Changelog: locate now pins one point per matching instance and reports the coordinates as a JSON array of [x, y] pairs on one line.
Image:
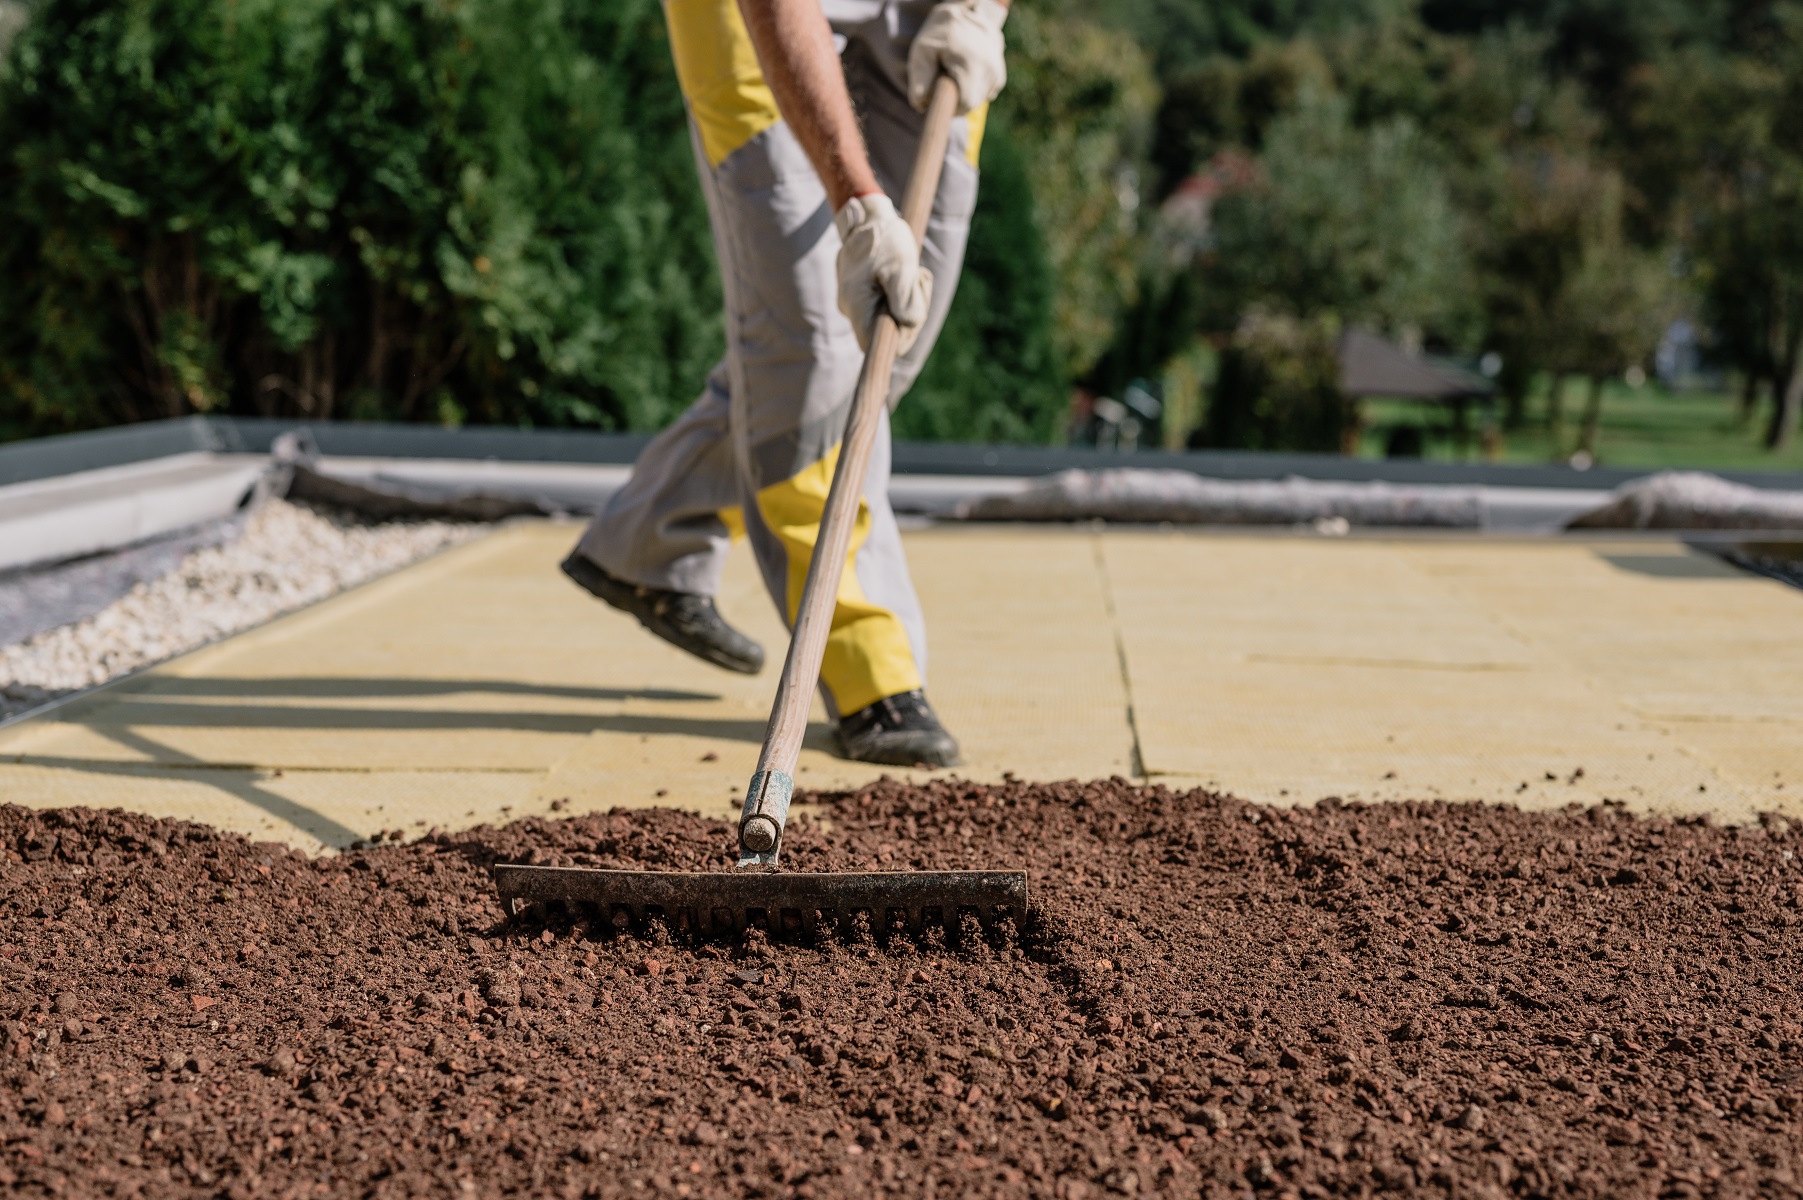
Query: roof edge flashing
[[65, 454]]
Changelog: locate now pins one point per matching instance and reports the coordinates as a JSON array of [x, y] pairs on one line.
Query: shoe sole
[[931, 763], [738, 666], [601, 587], [622, 596]]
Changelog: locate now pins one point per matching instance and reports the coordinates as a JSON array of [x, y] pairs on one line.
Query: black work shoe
[[898, 731], [685, 620]]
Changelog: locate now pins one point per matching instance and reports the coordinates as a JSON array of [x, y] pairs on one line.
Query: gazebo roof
[[1374, 366]]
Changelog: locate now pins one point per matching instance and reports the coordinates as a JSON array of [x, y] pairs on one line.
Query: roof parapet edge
[[65, 454]]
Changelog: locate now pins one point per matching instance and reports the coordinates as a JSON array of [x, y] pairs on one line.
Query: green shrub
[[994, 375], [1079, 103], [418, 210], [1353, 222], [1278, 389], [409, 209]]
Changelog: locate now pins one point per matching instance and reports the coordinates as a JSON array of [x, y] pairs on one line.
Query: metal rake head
[[722, 902]]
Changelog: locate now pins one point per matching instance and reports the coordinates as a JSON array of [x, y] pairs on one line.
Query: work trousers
[[757, 449]]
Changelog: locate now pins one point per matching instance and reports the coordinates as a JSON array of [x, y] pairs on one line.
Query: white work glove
[[879, 261], [963, 39]]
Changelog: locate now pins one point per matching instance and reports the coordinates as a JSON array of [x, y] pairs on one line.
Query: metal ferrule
[[761, 824]]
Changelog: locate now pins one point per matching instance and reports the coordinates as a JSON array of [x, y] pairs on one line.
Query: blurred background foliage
[[485, 211], [333, 209]]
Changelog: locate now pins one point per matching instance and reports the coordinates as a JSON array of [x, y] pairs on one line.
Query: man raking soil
[[806, 117], [884, 294]]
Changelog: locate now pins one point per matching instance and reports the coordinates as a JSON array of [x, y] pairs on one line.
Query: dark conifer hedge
[[452, 211], [409, 209]]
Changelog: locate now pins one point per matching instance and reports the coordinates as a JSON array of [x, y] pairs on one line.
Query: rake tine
[[873, 905]]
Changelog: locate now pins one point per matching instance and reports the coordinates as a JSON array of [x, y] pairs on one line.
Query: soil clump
[[1209, 997]]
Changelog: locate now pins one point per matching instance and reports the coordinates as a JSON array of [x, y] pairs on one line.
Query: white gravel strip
[[287, 557]]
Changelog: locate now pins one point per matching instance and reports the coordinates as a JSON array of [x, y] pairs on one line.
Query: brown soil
[[1211, 998]]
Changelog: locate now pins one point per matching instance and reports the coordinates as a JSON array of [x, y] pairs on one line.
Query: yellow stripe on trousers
[[867, 652], [978, 120], [729, 99], [734, 520], [718, 70]]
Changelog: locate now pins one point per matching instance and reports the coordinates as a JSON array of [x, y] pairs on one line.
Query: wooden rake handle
[[767, 799]]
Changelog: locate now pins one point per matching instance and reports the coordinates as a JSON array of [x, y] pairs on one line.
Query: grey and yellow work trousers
[[757, 449]]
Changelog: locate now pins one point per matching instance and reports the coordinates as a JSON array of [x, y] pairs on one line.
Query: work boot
[[684, 619], [898, 731]]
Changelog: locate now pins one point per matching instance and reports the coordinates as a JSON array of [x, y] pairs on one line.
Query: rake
[[759, 892]]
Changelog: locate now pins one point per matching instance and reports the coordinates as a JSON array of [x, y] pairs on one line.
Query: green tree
[[994, 376], [1610, 313], [1180, 33], [1278, 388], [1528, 260], [1602, 42], [1572, 295], [1352, 222], [1736, 128], [1223, 104], [1079, 103]]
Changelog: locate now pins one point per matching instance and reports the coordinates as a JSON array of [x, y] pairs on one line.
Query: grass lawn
[[1641, 427]]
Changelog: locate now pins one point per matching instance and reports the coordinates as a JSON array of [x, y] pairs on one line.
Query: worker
[[804, 116]]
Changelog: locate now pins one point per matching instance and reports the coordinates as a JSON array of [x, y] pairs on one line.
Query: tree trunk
[[1555, 412], [1750, 383], [1787, 399], [1593, 416], [1352, 425]]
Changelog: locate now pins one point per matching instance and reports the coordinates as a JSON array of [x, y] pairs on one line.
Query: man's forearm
[[794, 45]]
